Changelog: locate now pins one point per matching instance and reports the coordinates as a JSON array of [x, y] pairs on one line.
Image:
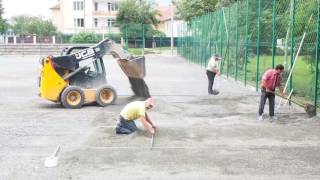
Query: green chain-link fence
[[140, 39], [255, 35]]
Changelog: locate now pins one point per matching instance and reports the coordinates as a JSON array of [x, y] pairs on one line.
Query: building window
[[78, 5], [112, 6], [110, 22], [96, 6], [95, 22], [78, 22], [109, 6]]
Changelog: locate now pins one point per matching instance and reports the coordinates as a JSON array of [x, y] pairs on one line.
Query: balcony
[[105, 8], [105, 13]]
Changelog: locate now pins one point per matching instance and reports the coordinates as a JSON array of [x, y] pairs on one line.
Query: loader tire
[[72, 97], [106, 95]]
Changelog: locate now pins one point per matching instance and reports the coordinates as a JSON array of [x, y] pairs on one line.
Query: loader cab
[[92, 71]]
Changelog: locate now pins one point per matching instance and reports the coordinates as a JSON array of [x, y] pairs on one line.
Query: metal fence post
[[273, 31], [143, 40], [221, 39], [237, 44], [211, 24], [215, 34], [198, 40], [258, 46], [192, 40], [207, 38], [246, 53], [315, 101], [203, 42], [126, 37], [228, 29], [292, 41]]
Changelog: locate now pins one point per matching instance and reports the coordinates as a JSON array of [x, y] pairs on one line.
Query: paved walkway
[[198, 136]]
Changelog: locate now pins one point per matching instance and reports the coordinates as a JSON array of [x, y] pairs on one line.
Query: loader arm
[[133, 67]]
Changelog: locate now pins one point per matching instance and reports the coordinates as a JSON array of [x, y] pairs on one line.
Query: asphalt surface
[[198, 136]]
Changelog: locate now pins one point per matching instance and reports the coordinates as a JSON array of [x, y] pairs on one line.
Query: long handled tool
[[292, 68], [296, 58], [287, 100], [52, 160], [152, 141]]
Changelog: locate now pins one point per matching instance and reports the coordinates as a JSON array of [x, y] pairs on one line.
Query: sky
[[38, 7]]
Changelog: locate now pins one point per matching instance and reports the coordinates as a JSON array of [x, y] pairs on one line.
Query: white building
[[168, 22], [72, 16]]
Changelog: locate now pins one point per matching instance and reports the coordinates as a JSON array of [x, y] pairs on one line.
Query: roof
[[165, 12], [56, 6]]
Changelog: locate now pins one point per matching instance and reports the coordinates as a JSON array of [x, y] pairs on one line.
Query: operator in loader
[[136, 110]]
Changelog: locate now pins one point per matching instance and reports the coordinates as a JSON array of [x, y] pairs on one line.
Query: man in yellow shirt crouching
[[133, 111]]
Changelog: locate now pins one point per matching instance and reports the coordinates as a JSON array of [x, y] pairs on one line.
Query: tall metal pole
[[126, 36], [216, 33], [143, 40], [246, 53], [221, 34], [210, 34], [228, 43], [315, 100], [292, 39], [193, 34], [273, 31], [171, 8], [258, 47], [237, 44]]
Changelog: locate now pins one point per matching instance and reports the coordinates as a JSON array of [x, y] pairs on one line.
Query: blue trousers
[[263, 98], [125, 126], [211, 76]]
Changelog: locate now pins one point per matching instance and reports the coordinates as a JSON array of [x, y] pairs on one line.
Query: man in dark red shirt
[[270, 80]]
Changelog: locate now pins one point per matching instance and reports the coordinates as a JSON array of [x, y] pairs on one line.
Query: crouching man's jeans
[[125, 126]]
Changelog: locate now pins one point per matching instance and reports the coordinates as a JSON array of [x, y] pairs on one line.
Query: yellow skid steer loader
[[78, 76]]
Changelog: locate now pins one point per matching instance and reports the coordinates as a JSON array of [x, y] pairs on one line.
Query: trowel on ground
[[52, 160]]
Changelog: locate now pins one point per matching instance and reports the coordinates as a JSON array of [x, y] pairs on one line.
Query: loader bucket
[[135, 69]]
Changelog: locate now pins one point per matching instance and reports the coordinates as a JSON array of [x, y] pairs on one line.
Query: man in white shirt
[[212, 71]]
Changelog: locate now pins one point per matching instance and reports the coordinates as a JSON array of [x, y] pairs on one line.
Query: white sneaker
[[260, 118]]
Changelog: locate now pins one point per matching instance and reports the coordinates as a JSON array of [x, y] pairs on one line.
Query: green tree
[[192, 8], [42, 27], [1, 11], [132, 14], [3, 23], [4, 26], [33, 25], [85, 37]]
